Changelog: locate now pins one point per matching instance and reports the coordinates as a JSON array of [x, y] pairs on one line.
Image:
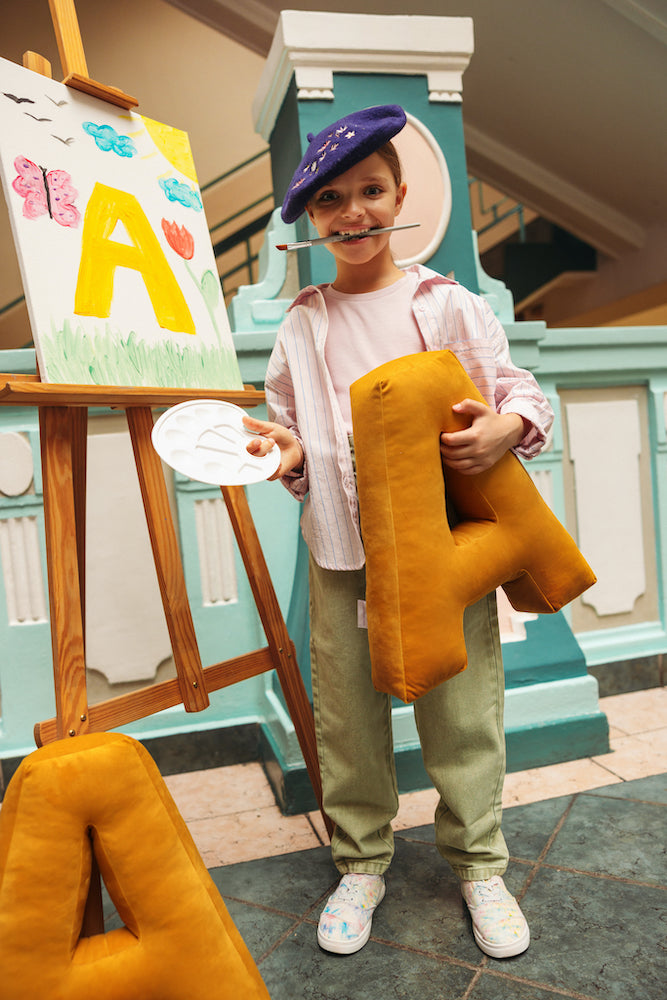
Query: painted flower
[[179, 239]]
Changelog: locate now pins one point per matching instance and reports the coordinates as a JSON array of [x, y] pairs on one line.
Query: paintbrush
[[343, 237]]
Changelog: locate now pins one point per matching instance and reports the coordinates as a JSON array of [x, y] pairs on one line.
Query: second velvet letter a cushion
[[103, 793], [420, 573]]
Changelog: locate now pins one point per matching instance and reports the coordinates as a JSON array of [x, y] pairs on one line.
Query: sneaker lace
[[490, 890], [355, 893]]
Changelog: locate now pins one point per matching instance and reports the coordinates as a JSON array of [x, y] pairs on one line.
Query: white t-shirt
[[367, 329]]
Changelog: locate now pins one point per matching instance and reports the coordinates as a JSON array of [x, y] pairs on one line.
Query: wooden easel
[[63, 430]]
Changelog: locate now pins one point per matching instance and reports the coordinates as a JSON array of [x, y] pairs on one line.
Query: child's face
[[364, 197]]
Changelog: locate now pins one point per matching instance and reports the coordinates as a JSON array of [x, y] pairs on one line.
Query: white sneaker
[[498, 925], [345, 922]]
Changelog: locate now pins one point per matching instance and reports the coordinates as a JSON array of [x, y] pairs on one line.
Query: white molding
[[21, 568], [605, 447], [552, 196], [215, 544], [314, 83], [313, 45], [126, 632], [16, 469]]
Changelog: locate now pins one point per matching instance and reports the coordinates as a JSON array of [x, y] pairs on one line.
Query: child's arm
[[479, 446], [291, 454], [518, 416]]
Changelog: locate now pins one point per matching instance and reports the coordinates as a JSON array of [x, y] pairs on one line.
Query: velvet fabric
[[178, 942], [420, 572]]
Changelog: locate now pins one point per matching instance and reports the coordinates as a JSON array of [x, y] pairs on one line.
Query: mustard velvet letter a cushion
[[178, 941], [420, 573]]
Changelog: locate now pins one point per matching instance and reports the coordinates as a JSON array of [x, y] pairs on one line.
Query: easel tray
[[27, 390]]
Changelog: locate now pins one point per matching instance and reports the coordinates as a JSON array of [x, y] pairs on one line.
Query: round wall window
[[429, 197]]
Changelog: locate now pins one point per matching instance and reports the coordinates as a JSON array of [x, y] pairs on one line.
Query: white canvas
[[115, 254]]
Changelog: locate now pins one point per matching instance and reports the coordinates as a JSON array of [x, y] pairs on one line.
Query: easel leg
[[280, 644], [63, 446], [79, 420], [63, 435], [167, 561]]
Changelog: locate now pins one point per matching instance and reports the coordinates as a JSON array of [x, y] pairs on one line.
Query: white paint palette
[[206, 440]]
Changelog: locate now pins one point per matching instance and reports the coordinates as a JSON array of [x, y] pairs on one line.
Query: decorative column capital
[[312, 46]]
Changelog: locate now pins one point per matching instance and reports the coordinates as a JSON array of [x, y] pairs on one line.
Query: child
[[349, 181]]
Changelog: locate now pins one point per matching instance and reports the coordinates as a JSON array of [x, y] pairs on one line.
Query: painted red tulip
[[179, 239]]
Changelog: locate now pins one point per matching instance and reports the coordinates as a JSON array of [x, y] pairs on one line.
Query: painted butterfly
[[45, 192]]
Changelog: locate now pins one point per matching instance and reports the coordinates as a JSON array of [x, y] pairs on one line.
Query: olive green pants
[[460, 725]]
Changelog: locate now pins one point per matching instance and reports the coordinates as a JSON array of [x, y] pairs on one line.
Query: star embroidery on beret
[[350, 135], [339, 131]]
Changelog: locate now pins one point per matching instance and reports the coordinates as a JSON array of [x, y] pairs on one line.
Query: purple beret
[[337, 148]]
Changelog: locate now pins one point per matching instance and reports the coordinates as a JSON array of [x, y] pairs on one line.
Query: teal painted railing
[[497, 211]]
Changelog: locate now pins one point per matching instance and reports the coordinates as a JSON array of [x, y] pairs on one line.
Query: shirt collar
[[425, 275]]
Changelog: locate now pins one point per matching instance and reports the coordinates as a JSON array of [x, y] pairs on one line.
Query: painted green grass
[[108, 358]]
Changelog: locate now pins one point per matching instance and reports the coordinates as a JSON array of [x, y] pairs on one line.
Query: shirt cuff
[[531, 444]]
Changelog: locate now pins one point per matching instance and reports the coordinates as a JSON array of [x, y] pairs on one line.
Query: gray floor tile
[[494, 987], [300, 970], [613, 837], [291, 883], [259, 929], [423, 908], [653, 789], [112, 920], [598, 937], [527, 828]]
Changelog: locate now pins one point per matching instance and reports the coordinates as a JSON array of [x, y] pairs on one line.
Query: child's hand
[[291, 455], [478, 447]]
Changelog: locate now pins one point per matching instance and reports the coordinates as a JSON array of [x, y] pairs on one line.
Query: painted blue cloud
[[108, 140], [175, 190]]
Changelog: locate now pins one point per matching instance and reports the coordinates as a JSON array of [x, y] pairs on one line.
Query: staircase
[[237, 237], [533, 257]]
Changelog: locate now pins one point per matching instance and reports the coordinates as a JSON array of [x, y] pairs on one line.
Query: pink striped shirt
[[300, 395]]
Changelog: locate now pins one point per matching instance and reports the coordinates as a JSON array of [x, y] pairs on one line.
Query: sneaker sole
[[354, 944], [503, 950], [345, 947]]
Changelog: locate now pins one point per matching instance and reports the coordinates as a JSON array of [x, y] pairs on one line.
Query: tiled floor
[[589, 870], [587, 841]]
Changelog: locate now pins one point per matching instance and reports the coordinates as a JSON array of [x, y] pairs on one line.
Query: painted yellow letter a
[[100, 256]]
